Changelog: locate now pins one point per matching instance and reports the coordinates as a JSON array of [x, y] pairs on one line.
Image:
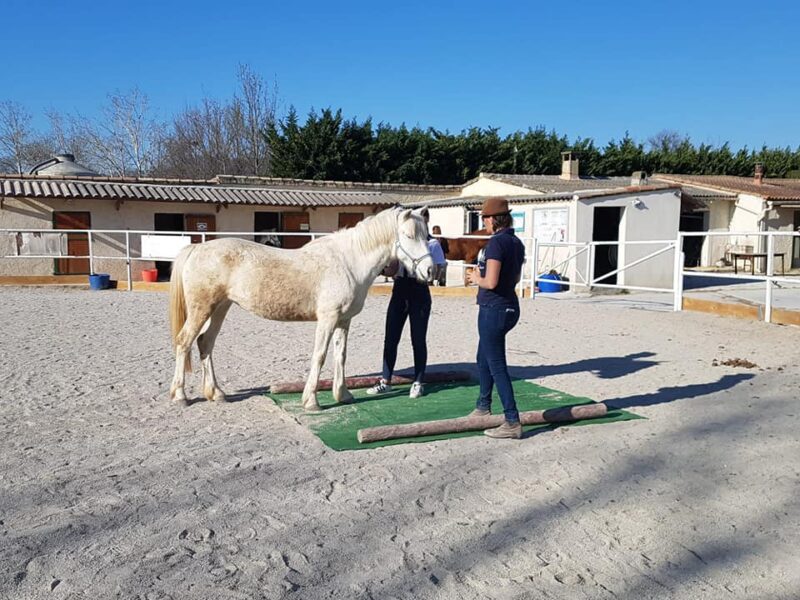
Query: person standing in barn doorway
[[411, 300]]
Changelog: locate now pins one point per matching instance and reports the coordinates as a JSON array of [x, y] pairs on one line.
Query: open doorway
[[606, 229], [796, 241], [166, 222], [693, 245], [267, 224]]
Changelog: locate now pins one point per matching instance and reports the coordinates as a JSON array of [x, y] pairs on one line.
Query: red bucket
[[150, 275]]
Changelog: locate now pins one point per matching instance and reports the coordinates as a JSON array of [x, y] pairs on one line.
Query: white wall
[[657, 218], [719, 218], [490, 187], [781, 218], [450, 219]]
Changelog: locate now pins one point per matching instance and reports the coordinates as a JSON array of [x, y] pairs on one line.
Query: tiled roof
[[770, 189], [791, 183], [283, 182], [476, 201], [551, 184], [103, 188]]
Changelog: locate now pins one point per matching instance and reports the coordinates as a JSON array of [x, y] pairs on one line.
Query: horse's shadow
[[605, 367], [244, 394]]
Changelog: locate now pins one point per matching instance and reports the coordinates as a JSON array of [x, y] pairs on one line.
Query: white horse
[[325, 281]]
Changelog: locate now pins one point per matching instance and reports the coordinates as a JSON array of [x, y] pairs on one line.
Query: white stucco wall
[[719, 216], [781, 218], [450, 219], [657, 218], [490, 187]]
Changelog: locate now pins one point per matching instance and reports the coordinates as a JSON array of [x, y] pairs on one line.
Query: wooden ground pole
[[563, 414], [362, 382]]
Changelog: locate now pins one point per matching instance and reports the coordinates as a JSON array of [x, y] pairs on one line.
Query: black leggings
[[410, 300]]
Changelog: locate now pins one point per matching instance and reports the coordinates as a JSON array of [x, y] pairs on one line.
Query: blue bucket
[[99, 281], [545, 287]]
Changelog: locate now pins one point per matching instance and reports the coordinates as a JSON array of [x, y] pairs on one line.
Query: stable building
[[744, 204], [62, 194], [570, 209]]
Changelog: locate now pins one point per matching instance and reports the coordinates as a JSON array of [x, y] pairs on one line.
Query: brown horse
[[466, 248]]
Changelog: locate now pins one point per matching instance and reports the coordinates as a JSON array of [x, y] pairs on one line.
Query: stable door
[[77, 243], [296, 222], [201, 223]]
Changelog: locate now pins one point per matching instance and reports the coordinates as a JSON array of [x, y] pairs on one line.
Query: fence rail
[[579, 260]]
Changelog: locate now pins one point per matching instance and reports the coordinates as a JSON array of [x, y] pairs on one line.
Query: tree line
[[244, 136]]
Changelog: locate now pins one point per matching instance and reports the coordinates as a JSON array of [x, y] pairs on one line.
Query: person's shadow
[[604, 367], [679, 392]]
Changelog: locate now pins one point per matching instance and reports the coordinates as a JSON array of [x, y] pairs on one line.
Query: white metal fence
[[576, 258], [765, 249], [129, 257]]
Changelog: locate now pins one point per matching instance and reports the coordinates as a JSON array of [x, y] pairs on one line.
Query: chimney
[[569, 166], [758, 178]]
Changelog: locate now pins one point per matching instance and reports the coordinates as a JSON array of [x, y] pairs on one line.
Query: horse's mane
[[374, 231]]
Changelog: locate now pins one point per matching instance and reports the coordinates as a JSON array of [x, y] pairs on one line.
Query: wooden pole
[[561, 414], [362, 382]]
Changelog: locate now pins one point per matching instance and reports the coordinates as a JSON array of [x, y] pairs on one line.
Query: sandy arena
[[107, 490]]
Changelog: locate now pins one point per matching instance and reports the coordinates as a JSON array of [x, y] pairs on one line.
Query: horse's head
[[411, 248]]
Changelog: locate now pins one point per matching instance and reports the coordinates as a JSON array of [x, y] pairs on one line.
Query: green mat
[[337, 424]]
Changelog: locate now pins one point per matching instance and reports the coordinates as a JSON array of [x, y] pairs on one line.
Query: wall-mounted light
[[637, 203]]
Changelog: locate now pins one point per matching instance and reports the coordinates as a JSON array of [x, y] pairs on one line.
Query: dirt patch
[[735, 362]]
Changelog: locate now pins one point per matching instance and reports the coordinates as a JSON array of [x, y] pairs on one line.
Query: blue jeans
[[494, 322], [410, 300]]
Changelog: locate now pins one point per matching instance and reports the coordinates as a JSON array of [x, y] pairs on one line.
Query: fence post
[[770, 272], [534, 267], [677, 274], [128, 259], [590, 266], [91, 257]]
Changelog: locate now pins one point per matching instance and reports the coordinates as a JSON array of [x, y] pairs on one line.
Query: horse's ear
[[404, 214], [423, 212]]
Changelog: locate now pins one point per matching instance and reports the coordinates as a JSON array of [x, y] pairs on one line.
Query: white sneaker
[[381, 387], [417, 390]]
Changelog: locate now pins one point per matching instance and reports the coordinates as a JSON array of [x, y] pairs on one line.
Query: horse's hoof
[[181, 401], [312, 407], [346, 398], [216, 396]]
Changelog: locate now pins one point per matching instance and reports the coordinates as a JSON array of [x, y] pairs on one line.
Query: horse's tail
[[177, 300]]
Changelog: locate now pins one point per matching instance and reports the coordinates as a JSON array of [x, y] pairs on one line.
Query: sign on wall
[[519, 220], [41, 244], [163, 246], [551, 224]]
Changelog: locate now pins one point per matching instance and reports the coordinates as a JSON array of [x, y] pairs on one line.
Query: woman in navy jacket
[[499, 271]]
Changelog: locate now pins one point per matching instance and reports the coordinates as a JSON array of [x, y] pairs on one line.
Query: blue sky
[[716, 71]]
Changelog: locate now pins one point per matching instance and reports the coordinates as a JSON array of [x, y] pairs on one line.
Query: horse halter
[[414, 261]]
